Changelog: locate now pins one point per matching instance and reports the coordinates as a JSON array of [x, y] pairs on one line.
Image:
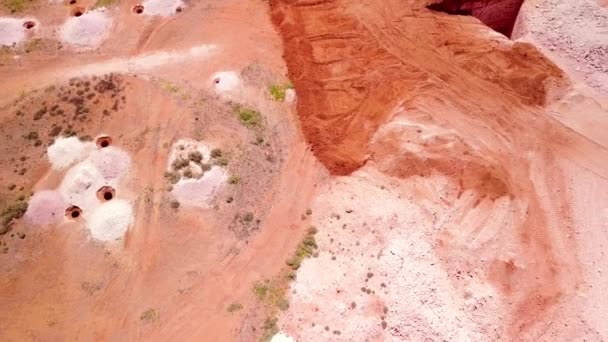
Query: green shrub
[[277, 92], [306, 249], [248, 117], [260, 290]]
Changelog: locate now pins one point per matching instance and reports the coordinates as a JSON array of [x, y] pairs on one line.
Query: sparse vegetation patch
[[277, 92], [248, 116], [305, 249]]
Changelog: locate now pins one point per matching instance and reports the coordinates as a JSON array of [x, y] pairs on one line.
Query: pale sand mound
[[112, 162], [80, 184], [12, 31], [67, 151], [45, 207], [199, 192], [377, 263], [163, 8], [281, 337], [87, 31], [110, 220], [225, 81], [290, 95]]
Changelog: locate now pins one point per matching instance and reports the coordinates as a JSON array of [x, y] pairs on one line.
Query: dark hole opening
[[77, 13], [217, 81], [103, 142], [139, 9], [498, 15], [72, 2], [178, 9], [29, 24], [73, 212], [108, 196]]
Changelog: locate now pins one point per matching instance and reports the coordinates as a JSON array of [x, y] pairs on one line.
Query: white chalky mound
[[199, 192], [163, 8], [45, 207], [67, 151], [80, 184], [110, 220], [11, 31], [225, 81], [290, 95], [87, 31], [112, 162]]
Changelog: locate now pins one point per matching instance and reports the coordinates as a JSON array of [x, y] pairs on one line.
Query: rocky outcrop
[[500, 15]]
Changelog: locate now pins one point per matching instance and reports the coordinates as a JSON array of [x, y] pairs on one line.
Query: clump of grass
[[32, 135], [234, 307], [170, 87], [222, 161], [248, 217], [260, 290], [305, 249], [216, 153], [277, 92], [172, 177], [12, 212], [248, 116], [103, 3], [180, 163], [196, 156], [16, 5], [188, 173], [234, 180], [269, 329], [149, 316]]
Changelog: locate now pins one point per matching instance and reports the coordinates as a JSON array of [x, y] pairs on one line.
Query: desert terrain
[[299, 170]]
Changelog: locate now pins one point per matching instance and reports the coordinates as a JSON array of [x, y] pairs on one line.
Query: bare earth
[[457, 180]]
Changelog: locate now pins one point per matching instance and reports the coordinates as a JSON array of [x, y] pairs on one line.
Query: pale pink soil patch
[[46, 207]]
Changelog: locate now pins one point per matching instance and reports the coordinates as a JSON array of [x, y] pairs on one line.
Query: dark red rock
[[500, 15]]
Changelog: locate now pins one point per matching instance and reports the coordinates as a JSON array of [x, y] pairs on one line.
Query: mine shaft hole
[[139, 9], [73, 212], [72, 2], [499, 16], [78, 11], [106, 193], [28, 25], [103, 142]]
